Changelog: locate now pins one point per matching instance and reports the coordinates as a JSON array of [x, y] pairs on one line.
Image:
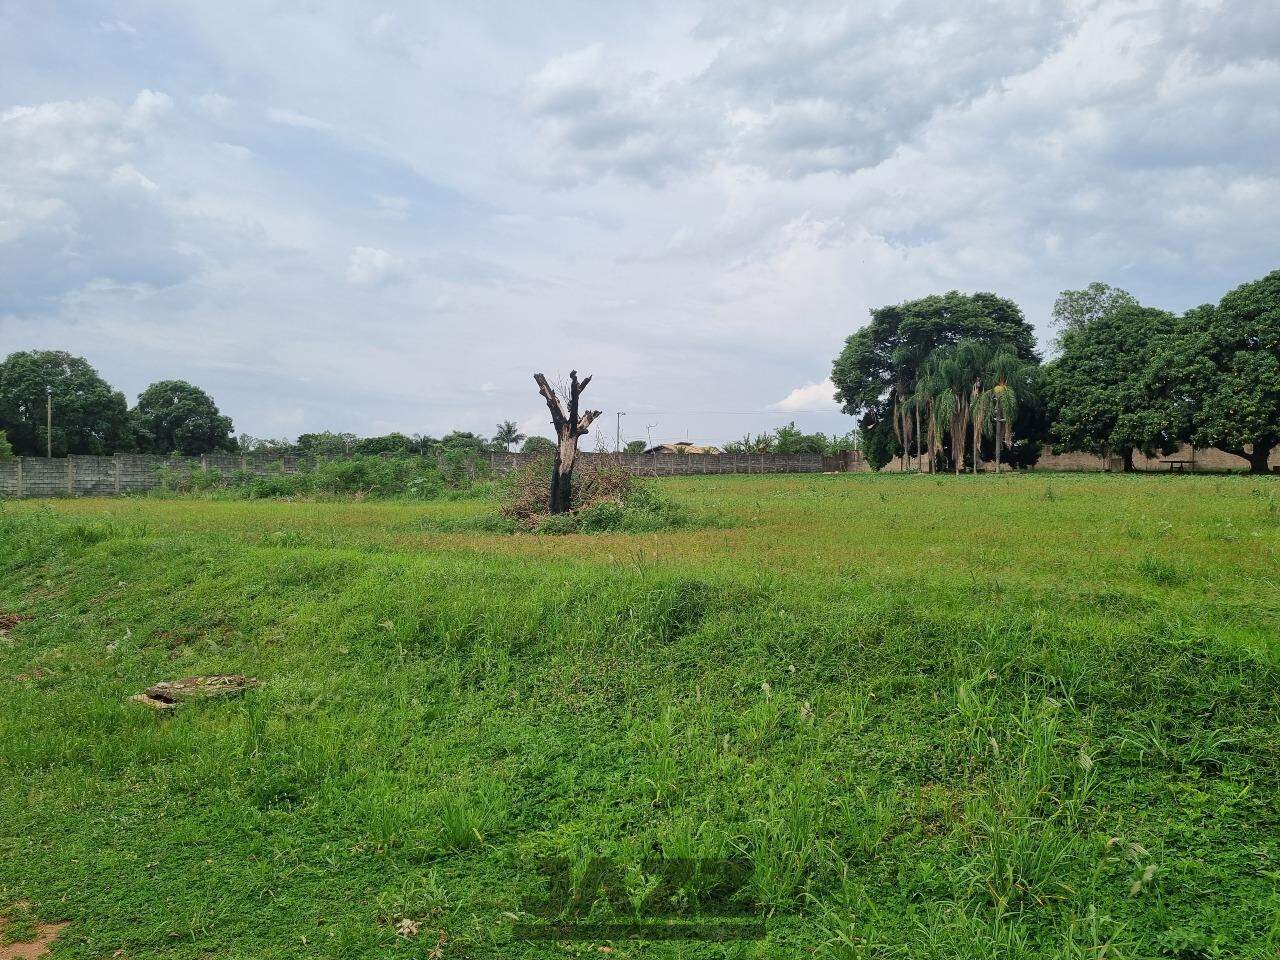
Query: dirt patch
[[9, 620], [37, 946]]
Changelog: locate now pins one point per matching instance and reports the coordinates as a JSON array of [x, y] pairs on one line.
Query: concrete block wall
[[1202, 460], [135, 473], [688, 464], [79, 476]]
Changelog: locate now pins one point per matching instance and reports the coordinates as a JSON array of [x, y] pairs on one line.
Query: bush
[[606, 498], [190, 481], [453, 475], [269, 485]]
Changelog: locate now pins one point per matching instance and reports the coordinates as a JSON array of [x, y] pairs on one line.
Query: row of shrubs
[[415, 478], [606, 497]]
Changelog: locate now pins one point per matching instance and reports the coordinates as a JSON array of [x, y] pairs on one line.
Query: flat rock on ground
[[167, 694]]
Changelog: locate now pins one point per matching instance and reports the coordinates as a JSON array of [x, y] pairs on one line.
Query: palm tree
[[976, 358], [508, 433], [1010, 379], [951, 388], [967, 390], [908, 360], [948, 383], [924, 399]]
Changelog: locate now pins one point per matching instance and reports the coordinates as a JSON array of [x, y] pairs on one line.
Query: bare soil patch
[[36, 946], [9, 620]]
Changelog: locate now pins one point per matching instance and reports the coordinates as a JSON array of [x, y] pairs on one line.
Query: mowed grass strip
[[1020, 716]]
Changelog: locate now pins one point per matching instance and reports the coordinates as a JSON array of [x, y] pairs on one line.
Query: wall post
[[71, 476], [115, 469], [20, 459]]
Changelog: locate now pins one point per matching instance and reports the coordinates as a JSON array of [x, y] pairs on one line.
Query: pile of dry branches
[[528, 490]]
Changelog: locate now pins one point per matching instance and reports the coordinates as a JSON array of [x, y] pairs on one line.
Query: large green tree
[[1221, 370], [326, 443], [1100, 392], [540, 445], [173, 416], [1076, 309], [877, 371], [88, 416], [394, 442]]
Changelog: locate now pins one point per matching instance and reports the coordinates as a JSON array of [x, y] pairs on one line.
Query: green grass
[[930, 718]]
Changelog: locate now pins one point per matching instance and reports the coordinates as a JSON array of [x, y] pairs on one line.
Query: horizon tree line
[[954, 380], [946, 382]]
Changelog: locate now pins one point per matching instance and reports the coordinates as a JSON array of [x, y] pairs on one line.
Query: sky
[[368, 217]]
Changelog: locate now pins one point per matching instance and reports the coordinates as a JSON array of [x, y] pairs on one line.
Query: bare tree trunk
[[959, 425], [903, 427], [978, 414], [999, 426], [906, 432], [569, 427], [930, 440], [919, 461]]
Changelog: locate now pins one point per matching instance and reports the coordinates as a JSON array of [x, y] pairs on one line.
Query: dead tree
[[569, 427]]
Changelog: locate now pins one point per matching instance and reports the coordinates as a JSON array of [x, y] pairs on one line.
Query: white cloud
[[291, 118], [148, 107], [537, 424], [127, 175], [811, 398], [215, 104], [392, 208], [118, 26], [20, 214], [370, 266], [235, 151]]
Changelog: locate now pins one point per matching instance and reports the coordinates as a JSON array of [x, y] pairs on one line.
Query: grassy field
[[1022, 716]]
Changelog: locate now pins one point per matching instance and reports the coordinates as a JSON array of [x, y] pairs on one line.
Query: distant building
[[682, 447]]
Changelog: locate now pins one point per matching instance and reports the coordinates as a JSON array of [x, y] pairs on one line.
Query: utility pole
[[48, 421], [617, 440]]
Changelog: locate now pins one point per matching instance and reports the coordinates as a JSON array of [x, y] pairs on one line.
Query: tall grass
[[924, 719]]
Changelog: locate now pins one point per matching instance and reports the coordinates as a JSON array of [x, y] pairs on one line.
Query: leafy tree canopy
[[876, 372], [634, 446], [173, 416], [88, 416], [390, 443], [464, 441], [507, 434], [326, 444], [1221, 370], [540, 445], [888, 352], [1099, 389], [1076, 309], [793, 440], [6, 448]]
